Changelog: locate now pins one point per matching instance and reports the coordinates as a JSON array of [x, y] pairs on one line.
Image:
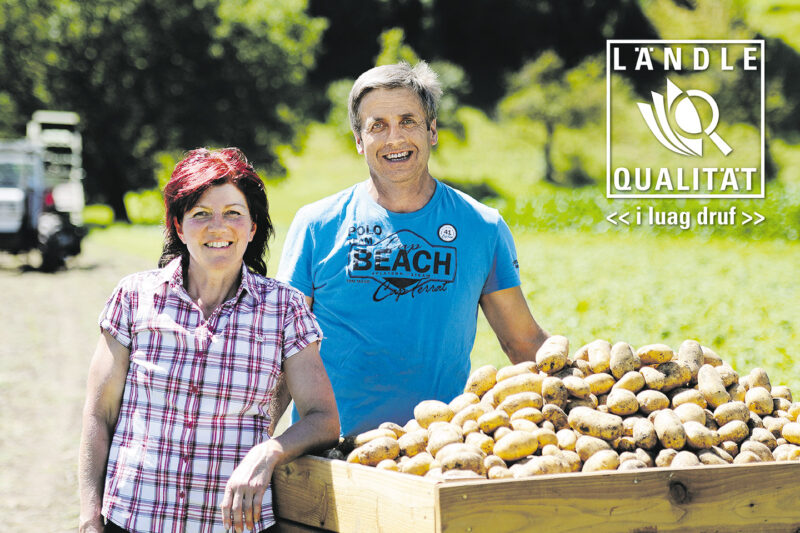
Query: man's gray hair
[[420, 79]]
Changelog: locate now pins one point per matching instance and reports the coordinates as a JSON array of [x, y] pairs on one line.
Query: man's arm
[[281, 399], [508, 314]]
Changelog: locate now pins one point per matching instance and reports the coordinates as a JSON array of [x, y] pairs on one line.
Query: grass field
[[737, 297], [736, 292]]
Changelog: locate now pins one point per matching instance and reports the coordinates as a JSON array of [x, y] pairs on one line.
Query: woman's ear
[[178, 229]]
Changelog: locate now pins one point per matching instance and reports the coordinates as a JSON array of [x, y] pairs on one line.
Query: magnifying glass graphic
[[688, 119]]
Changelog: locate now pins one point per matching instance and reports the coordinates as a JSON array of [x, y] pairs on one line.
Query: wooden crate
[[338, 496]]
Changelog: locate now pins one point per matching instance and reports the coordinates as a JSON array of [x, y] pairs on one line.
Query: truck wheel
[[52, 260], [51, 243]]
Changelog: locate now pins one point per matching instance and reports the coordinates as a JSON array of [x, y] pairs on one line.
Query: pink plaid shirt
[[196, 395]]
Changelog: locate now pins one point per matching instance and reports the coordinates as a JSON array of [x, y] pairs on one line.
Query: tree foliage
[[23, 55], [152, 75], [488, 40], [394, 49], [545, 91], [743, 19]]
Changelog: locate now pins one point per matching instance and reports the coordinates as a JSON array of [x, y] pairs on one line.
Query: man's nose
[[396, 133]]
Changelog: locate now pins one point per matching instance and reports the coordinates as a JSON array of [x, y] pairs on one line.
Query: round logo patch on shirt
[[447, 232]]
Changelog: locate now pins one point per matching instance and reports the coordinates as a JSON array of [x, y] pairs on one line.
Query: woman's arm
[[281, 397], [317, 428], [105, 385]]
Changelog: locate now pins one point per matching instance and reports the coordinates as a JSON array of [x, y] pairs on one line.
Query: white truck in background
[[41, 189]]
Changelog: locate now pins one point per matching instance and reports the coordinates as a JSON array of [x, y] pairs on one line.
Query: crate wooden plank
[[760, 497], [340, 496]]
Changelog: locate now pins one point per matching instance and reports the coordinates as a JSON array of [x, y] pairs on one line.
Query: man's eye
[[376, 126], [408, 121]]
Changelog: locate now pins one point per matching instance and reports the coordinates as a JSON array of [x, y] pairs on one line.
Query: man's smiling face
[[394, 138]]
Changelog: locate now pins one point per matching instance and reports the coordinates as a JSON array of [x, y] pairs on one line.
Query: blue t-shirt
[[396, 295]]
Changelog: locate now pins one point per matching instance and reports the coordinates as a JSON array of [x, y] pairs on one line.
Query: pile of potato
[[606, 408]]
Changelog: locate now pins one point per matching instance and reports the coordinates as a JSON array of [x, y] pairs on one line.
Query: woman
[[176, 416]]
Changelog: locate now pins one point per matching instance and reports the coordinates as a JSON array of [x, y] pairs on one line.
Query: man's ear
[[434, 133], [359, 145]]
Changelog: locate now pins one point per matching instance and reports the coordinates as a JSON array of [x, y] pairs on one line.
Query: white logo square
[[700, 134]]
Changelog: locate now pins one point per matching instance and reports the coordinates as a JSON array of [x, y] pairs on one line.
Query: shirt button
[[182, 495], [194, 389], [189, 424]]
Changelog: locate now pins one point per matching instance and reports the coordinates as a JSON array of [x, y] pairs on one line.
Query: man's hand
[[244, 492], [508, 314]]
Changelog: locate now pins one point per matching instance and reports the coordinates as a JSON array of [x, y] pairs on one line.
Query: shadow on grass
[[26, 267], [480, 191]]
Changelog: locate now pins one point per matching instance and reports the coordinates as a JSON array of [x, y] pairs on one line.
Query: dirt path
[[48, 330]]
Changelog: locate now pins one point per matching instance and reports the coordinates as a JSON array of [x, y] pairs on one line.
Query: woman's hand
[[245, 490], [318, 428], [92, 526]]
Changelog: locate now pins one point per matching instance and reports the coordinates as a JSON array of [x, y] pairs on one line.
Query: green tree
[[23, 73], [394, 49], [544, 91], [153, 75], [486, 39]]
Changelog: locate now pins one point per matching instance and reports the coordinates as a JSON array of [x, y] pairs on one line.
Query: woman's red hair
[[194, 175]]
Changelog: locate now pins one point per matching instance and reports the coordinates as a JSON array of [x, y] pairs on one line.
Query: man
[[396, 266]]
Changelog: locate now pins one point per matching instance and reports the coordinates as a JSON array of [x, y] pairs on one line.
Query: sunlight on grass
[[327, 164], [137, 240], [739, 298], [737, 294]]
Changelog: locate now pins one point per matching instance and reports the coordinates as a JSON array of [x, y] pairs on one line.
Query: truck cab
[[22, 192], [41, 189]]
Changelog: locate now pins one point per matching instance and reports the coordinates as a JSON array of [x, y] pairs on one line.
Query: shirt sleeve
[[297, 256], [116, 315], [300, 327], [504, 273]]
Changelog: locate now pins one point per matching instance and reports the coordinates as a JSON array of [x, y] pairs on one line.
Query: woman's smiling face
[[217, 229]]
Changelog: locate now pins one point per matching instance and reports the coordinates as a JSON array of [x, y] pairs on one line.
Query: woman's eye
[[200, 214]]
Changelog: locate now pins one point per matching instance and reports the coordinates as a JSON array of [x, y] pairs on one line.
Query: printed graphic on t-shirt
[[400, 264]]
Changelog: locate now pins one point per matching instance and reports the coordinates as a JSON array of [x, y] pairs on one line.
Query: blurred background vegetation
[[522, 128], [524, 106]]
